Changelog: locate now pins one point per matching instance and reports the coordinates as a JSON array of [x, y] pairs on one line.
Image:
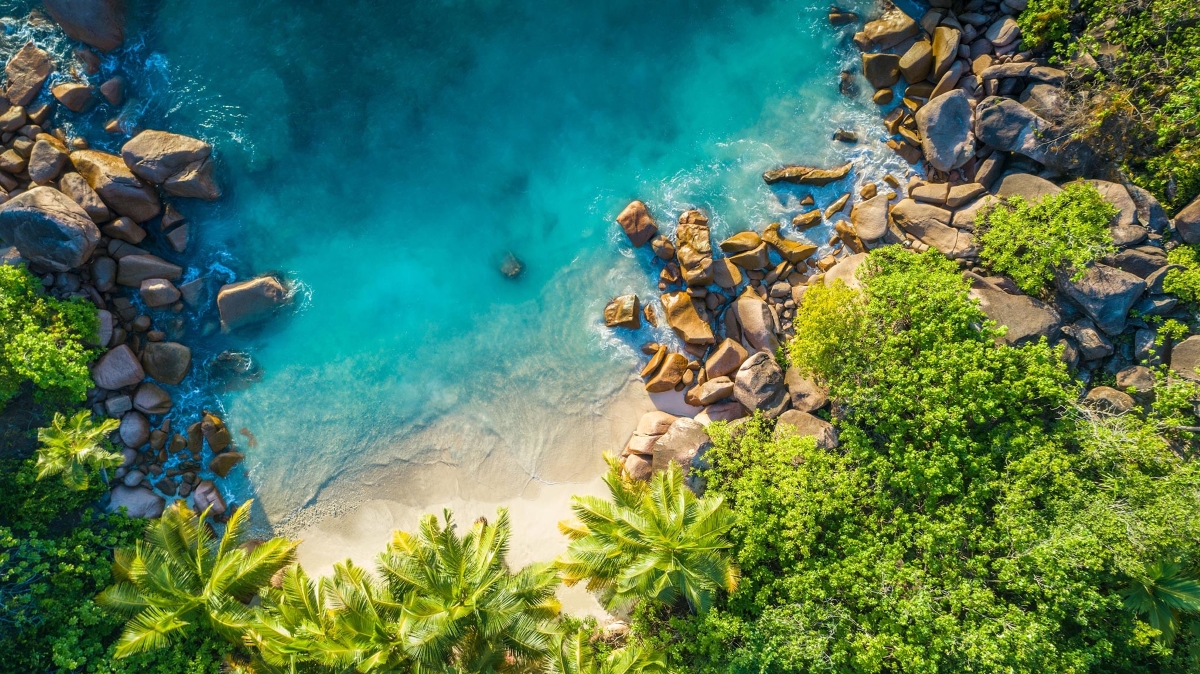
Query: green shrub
[[1045, 22], [971, 520], [43, 340], [1029, 242], [1183, 283]]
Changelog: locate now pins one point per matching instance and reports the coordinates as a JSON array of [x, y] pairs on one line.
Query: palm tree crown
[[656, 541], [572, 655], [75, 449], [1161, 596], [181, 576]]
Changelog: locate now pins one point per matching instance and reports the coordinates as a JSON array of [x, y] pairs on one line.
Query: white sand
[[363, 515]]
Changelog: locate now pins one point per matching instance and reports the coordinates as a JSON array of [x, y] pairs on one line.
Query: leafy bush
[[1045, 22], [972, 518], [1183, 283], [43, 340], [1029, 242], [76, 449]]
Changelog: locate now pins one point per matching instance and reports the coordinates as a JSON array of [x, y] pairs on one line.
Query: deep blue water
[[386, 155]]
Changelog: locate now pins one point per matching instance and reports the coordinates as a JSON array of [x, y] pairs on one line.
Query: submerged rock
[[511, 267], [234, 370]]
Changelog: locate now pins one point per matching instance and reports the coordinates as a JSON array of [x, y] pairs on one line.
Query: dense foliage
[[43, 340], [1030, 242], [1142, 106], [973, 519], [1183, 283], [76, 448]]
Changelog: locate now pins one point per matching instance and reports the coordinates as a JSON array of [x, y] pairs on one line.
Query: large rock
[[250, 301], [1150, 211], [917, 62], [138, 502], [74, 96], [635, 220], [1185, 358], [150, 399], [27, 70], [1026, 318], [881, 70], [623, 312], [931, 225], [1007, 125], [726, 358], [759, 385], [134, 430], [685, 320], [891, 29], [117, 369], [181, 164], [807, 175], [714, 390], [46, 160], [669, 375], [1029, 187], [133, 269], [806, 394], [1187, 222], [945, 49], [167, 362], [846, 271], [120, 189], [870, 218], [75, 186], [792, 251], [223, 463], [48, 228], [945, 127], [685, 443], [158, 292], [758, 326], [795, 422], [208, 498], [99, 23], [693, 248], [1105, 294]]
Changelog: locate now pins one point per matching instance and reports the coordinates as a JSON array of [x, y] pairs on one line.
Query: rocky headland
[[104, 227], [977, 119]]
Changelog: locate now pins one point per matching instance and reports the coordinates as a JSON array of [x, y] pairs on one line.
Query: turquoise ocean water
[[386, 155]]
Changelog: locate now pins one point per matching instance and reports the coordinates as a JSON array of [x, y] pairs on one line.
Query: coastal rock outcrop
[[27, 71], [759, 385], [795, 422], [945, 127], [167, 362], [49, 228], [181, 164], [1104, 293], [685, 320], [693, 248], [623, 312], [807, 175], [138, 502], [637, 223], [685, 443], [99, 23], [117, 369]]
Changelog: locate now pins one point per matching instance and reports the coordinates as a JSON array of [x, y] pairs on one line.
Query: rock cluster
[[103, 227]]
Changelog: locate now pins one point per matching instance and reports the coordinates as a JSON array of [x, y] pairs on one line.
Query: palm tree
[[76, 449], [467, 610], [573, 656], [1161, 596], [656, 541], [181, 577]]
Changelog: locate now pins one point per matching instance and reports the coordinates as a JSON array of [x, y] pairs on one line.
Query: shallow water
[[386, 156]]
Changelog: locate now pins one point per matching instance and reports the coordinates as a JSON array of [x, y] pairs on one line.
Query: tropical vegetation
[[76, 449]]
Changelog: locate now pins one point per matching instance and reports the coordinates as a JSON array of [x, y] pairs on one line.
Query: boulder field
[[107, 228]]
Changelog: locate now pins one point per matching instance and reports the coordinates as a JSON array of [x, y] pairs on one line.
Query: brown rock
[[694, 249], [178, 238], [881, 70], [99, 23], [669, 375], [117, 369], [637, 223], [741, 242], [150, 399], [73, 185], [48, 228], [250, 301], [870, 218], [113, 90], [945, 49], [46, 160], [917, 62], [215, 433], [726, 358], [806, 220], [684, 320], [638, 467], [133, 269], [807, 175], [623, 312], [74, 96], [757, 258], [124, 229], [792, 251], [656, 361], [134, 430], [223, 463], [167, 362], [158, 292], [726, 274], [181, 164], [207, 499], [714, 390], [27, 70], [804, 424], [120, 189], [890, 29], [663, 247]]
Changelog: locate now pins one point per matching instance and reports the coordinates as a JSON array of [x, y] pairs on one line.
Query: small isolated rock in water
[[138, 502], [637, 223], [807, 175], [120, 189], [844, 136], [511, 267], [234, 370], [75, 96], [181, 164], [48, 228], [167, 362], [113, 90], [99, 23], [250, 301], [27, 70], [623, 312], [223, 463]]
